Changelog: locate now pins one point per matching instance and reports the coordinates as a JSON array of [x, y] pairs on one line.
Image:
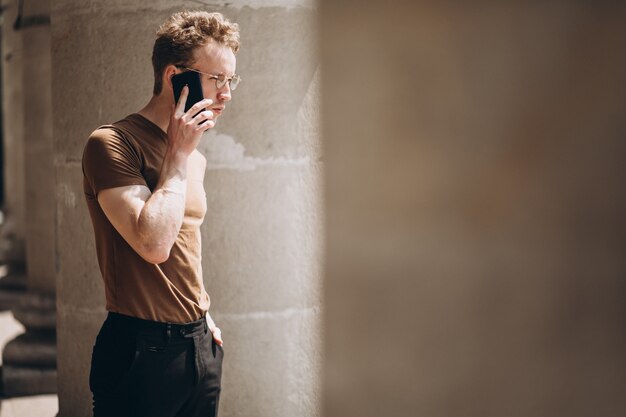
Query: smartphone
[[191, 79]]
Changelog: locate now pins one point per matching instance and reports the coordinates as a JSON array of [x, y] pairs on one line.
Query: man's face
[[215, 59]]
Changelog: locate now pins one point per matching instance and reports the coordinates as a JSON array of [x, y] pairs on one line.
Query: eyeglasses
[[220, 80]]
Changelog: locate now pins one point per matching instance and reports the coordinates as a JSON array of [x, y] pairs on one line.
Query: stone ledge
[[32, 350], [19, 381], [37, 312], [12, 281], [10, 298]]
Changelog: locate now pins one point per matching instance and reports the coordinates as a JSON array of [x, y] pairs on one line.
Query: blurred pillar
[[12, 241], [29, 361], [261, 234], [475, 208]]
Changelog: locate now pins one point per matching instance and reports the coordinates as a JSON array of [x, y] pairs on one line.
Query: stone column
[[12, 245], [261, 235], [475, 208], [29, 361]]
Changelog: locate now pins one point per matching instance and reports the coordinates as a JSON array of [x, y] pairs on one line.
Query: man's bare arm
[[150, 222]]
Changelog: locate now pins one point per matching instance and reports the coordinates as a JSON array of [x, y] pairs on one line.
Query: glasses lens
[[220, 81], [234, 82]]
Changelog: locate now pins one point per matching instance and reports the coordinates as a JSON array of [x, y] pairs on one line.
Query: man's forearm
[[162, 215]]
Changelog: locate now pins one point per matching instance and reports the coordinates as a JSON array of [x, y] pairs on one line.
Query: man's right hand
[[186, 128]]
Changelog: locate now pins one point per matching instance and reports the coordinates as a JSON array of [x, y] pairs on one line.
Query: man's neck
[[158, 111]]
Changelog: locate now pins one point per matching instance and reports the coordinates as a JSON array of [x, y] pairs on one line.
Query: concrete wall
[[475, 208], [38, 152], [261, 235], [13, 248]]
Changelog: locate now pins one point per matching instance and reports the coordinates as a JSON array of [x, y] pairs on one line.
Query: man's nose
[[224, 93]]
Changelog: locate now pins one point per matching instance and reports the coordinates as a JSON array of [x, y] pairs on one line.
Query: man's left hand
[[217, 335]]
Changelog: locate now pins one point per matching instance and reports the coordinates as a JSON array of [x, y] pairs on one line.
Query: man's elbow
[[154, 254]]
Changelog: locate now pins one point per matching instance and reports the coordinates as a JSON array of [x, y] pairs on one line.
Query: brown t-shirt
[[130, 152]]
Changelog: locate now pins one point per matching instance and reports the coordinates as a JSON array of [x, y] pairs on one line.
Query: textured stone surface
[[10, 298], [78, 276], [475, 206], [20, 381], [12, 288], [30, 349], [248, 247], [36, 311], [39, 157], [278, 349], [76, 333], [13, 246]]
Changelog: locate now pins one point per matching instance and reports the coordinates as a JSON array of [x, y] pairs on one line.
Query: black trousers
[[142, 368]]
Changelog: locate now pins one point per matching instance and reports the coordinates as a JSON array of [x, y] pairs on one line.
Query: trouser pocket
[[209, 356]]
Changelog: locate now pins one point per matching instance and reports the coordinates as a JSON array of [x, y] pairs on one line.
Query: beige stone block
[[275, 357], [12, 231], [88, 94], [39, 155], [31, 351], [76, 335], [262, 237], [36, 311], [278, 63], [20, 381], [79, 282], [40, 228]]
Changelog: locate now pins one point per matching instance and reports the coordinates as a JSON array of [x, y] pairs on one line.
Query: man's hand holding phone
[[186, 127]]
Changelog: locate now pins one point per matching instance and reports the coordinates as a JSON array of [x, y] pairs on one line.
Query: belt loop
[[168, 332]]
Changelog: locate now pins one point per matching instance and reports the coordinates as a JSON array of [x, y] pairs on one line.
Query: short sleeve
[[109, 161]]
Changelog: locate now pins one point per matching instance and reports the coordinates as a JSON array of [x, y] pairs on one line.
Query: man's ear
[[168, 73]]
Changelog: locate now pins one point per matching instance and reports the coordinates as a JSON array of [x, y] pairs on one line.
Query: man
[[159, 353]]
